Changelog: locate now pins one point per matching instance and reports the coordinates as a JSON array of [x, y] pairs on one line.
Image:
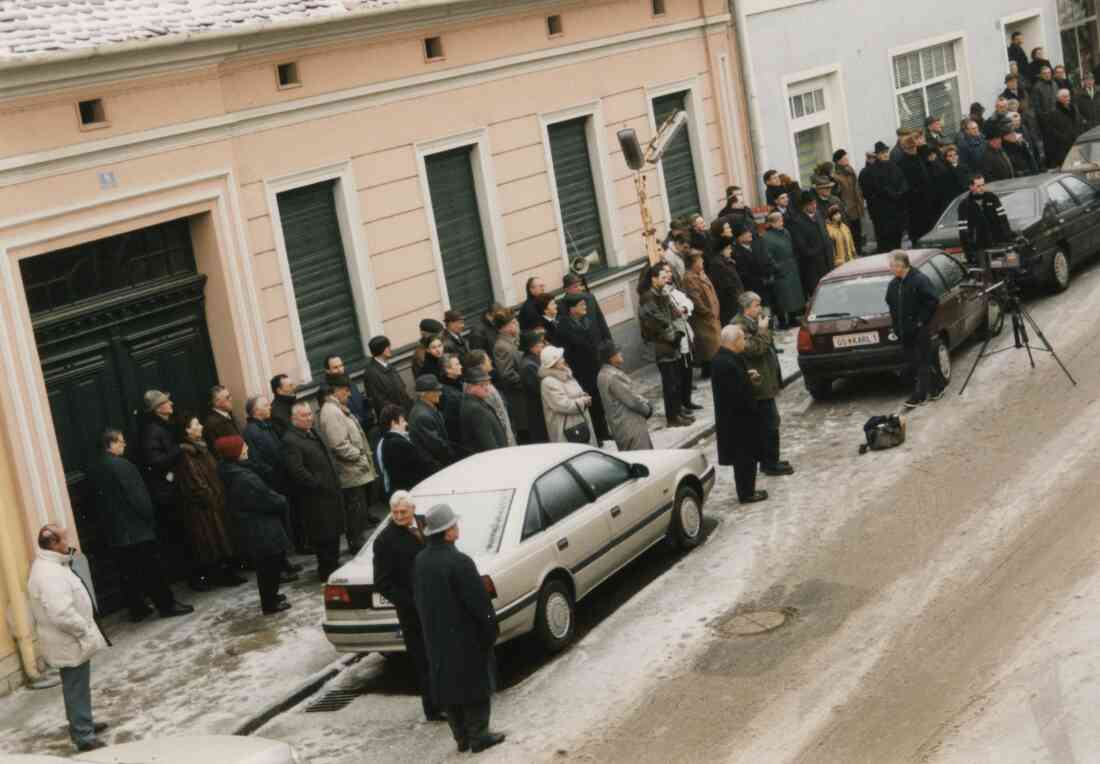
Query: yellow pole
[[649, 233]]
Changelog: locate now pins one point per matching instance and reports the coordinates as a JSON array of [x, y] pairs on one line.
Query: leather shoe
[[692, 406], [90, 745], [435, 716], [176, 609], [493, 738], [777, 469], [463, 746], [679, 421], [286, 577], [756, 496], [282, 606], [100, 727]]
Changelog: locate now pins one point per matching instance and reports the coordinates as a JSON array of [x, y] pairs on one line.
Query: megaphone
[[579, 265]]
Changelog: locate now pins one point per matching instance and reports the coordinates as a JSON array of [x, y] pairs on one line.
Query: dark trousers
[[143, 576], [418, 654], [671, 378], [744, 476], [328, 556], [175, 548], [888, 239], [76, 688], [267, 579], [769, 430], [599, 419], [918, 353], [856, 227], [469, 722], [355, 514], [685, 379]]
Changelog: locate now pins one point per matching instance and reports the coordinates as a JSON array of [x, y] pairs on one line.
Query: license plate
[[855, 340], [378, 602]]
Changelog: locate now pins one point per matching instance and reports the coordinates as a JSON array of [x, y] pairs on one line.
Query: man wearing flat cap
[[812, 247], [460, 630], [888, 209], [996, 164], [384, 383], [427, 427], [429, 330], [481, 428], [627, 409]]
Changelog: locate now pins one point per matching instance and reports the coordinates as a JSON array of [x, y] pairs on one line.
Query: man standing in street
[[913, 303], [460, 630], [427, 428], [736, 413], [384, 383], [1016, 52], [847, 186], [315, 485], [220, 422], [982, 220], [529, 314], [506, 360], [129, 521], [453, 341], [480, 426], [888, 203], [345, 440], [996, 164], [1087, 102], [395, 550], [283, 391], [68, 634], [760, 356], [358, 403]]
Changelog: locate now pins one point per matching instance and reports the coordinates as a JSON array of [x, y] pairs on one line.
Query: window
[[92, 113], [288, 74], [934, 276], [1059, 197], [852, 297], [433, 48], [560, 494], [576, 187], [949, 268], [483, 516], [658, 7], [805, 104], [926, 83], [600, 472], [678, 162], [815, 122], [1082, 191], [553, 25], [1077, 20], [532, 520], [814, 146]]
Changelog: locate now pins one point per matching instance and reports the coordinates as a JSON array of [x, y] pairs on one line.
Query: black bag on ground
[[883, 432]]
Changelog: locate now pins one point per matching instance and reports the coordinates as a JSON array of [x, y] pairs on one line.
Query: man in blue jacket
[[913, 302]]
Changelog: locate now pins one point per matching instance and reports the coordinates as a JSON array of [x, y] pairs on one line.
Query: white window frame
[[829, 78], [596, 133], [962, 70], [360, 277], [492, 227], [697, 135]]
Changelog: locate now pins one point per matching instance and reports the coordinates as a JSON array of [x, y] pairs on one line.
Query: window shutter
[[677, 163], [458, 226], [319, 271], [580, 210]]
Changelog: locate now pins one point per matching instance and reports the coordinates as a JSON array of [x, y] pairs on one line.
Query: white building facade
[[829, 74]]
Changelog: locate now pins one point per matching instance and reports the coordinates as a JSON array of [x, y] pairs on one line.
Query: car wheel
[[941, 355], [687, 519], [994, 320], [1058, 272], [554, 620], [820, 387]]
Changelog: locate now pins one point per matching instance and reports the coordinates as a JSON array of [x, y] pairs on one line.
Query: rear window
[[1019, 205], [481, 517], [852, 297], [1082, 155]]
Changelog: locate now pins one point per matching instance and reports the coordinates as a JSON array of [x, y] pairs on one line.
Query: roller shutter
[[580, 211], [677, 163]]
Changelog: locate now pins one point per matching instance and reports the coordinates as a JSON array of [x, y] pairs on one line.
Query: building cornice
[[26, 167]]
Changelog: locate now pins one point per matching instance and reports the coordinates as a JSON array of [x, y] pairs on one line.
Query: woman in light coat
[[341, 432], [564, 402], [704, 320], [627, 410]]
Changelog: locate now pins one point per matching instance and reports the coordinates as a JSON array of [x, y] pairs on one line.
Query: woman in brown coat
[[202, 504], [704, 320]]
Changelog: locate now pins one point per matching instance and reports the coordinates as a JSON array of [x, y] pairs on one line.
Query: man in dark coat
[[913, 303], [1087, 101], [1016, 52], [888, 202], [402, 464], [384, 383], [531, 344], [983, 222], [529, 314], [283, 392], [267, 457], [576, 337], [394, 558], [427, 428], [754, 265], [722, 270], [128, 522], [460, 630], [736, 414], [481, 428], [315, 486], [1063, 125], [1013, 91], [483, 335], [812, 246], [160, 455], [220, 422], [453, 342], [359, 405], [996, 164]]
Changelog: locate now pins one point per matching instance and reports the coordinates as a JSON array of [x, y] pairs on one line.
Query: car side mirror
[[639, 471], [1049, 213]]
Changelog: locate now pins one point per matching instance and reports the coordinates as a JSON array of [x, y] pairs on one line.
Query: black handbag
[[579, 433]]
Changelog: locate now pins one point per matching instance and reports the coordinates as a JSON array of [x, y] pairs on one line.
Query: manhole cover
[[758, 622]]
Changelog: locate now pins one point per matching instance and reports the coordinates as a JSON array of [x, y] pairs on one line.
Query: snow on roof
[[42, 29]]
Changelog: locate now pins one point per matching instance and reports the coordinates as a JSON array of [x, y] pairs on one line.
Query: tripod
[[1021, 320]]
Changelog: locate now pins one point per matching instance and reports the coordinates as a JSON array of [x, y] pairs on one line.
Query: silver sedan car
[[546, 524]]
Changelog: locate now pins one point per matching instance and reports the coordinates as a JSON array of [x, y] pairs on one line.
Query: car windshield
[[481, 517], [1019, 206], [1082, 155], [851, 297]]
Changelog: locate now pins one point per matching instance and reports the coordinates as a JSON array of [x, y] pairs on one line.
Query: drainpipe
[[759, 145], [21, 622]]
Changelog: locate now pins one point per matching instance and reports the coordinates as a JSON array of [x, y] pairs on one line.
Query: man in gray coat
[[507, 359], [627, 410], [427, 428], [481, 427]]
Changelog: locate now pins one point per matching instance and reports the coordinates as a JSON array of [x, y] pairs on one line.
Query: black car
[[1056, 214]]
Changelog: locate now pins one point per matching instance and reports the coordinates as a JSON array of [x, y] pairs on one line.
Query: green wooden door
[[677, 164], [580, 210], [458, 226], [326, 306]]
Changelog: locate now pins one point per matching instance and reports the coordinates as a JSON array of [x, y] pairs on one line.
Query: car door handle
[[616, 511], [563, 544]]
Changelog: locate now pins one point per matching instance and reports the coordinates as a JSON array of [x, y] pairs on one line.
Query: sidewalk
[[210, 672]]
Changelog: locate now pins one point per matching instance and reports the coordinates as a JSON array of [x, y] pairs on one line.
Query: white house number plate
[[855, 340]]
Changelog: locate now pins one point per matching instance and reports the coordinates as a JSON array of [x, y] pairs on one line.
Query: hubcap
[[1061, 268], [559, 616], [689, 517], [945, 361]]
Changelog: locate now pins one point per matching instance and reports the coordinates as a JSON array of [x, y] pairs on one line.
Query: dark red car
[[847, 331]]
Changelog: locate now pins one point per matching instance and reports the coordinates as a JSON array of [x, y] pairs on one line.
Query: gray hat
[[154, 399], [427, 383], [438, 519], [475, 375]]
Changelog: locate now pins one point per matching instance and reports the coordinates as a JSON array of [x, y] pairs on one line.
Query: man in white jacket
[[67, 631]]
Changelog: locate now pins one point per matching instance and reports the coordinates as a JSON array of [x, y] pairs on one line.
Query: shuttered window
[[677, 163], [458, 227], [319, 272], [580, 211], [926, 83]]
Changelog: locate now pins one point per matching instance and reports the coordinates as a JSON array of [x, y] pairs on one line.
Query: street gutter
[[307, 688]]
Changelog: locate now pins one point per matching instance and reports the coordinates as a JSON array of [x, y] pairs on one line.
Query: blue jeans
[[76, 687]]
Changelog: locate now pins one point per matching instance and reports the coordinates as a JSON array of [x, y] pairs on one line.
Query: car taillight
[[805, 340], [337, 594], [954, 250], [490, 587]]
